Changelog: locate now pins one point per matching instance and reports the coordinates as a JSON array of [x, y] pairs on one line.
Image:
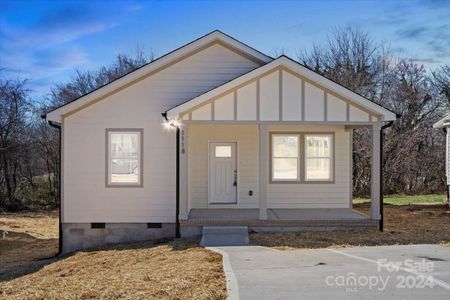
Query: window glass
[[318, 157], [124, 157], [223, 151], [285, 157]]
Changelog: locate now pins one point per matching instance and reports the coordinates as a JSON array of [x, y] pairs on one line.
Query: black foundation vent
[[154, 225], [97, 225]]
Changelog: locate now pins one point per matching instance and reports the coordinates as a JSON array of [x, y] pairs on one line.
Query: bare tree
[[412, 161], [13, 125]]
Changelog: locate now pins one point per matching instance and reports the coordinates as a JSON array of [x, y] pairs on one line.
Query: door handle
[[235, 178]]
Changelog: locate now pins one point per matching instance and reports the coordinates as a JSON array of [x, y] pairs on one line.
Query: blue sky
[[46, 41]]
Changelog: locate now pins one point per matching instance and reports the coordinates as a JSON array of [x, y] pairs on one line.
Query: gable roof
[[444, 122], [154, 66], [286, 62]]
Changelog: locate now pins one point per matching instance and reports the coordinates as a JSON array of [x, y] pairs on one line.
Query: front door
[[222, 173]]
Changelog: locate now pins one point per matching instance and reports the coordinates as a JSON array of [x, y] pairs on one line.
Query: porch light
[[171, 124]]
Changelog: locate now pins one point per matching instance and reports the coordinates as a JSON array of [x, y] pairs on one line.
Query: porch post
[[184, 205], [376, 172], [263, 171]]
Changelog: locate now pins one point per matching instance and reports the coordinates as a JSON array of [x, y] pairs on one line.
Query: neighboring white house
[[214, 132], [444, 123]]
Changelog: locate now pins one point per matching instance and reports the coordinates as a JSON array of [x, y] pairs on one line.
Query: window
[[124, 164], [285, 157], [223, 151], [301, 157], [318, 157]]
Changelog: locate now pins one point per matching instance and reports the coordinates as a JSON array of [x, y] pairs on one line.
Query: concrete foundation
[[79, 236]]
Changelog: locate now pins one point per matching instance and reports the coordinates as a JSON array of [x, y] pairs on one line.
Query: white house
[[444, 124], [214, 132]]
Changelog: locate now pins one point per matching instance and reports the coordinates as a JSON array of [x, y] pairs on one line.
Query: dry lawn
[[26, 239], [404, 224], [175, 270]]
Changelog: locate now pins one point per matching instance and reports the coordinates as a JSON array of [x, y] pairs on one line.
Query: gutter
[[60, 240], [177, 191], [381, 222]]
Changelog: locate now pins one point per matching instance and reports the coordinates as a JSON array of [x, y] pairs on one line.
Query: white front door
[[222, 173]]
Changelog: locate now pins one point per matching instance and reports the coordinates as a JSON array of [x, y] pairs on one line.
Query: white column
[[375, 169], [263, 171], [184, 205]]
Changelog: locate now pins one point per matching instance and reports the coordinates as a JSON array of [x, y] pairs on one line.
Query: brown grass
[[406, 224], [26, 239], [175, 270]]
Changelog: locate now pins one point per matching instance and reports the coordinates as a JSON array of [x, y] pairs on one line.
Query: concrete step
[[224, 236]]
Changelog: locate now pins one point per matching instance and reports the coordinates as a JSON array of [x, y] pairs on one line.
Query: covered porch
[[285, 136]]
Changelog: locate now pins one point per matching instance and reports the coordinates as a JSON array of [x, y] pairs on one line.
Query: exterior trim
[[141, 157]]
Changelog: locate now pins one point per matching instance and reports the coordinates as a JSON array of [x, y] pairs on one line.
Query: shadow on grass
[[22, 254]]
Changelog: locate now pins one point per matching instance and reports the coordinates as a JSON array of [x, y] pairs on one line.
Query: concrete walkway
[[388, 272]]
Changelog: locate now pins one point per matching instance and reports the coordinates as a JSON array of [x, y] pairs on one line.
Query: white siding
[[288, 195], [314, 103], [203, 113], [247, 138], [357, 114], [336, 109], [85, 198], [292, 95], [269, 103], [224, 108], [246, 102]]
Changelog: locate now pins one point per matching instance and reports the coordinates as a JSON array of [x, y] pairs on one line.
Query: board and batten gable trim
[[141, 157], [285, 64], [325, 115]]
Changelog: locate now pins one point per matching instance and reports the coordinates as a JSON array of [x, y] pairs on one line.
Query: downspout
[[60, 240], [448, 162], [381, 222], [177, 190]]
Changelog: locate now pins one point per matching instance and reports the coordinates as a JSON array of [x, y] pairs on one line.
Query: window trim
[[302, 157], [272, 158], [332, 154], [108, 131]]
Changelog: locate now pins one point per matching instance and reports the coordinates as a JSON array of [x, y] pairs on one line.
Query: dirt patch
[[405, 224]]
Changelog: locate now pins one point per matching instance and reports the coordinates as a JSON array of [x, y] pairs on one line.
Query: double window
[[298, 157], [124, 157]]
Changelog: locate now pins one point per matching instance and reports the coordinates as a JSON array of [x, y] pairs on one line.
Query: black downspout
[[448, 162], [60, 240], [381, 222], [177, 189], [177, 209]]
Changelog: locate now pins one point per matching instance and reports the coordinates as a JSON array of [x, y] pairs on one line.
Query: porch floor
[[279, 214], [308, 219]]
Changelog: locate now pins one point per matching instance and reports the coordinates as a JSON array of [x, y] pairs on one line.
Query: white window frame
[[331, 157], [272, 157], [139, 132]]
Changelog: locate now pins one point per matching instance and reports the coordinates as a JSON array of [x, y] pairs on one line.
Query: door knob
[[235, 178]]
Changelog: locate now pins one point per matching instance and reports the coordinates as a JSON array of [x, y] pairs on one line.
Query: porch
[[273, 148], [278, 220]]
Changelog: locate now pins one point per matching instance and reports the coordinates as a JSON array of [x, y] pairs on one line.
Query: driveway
[[400, 272]]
